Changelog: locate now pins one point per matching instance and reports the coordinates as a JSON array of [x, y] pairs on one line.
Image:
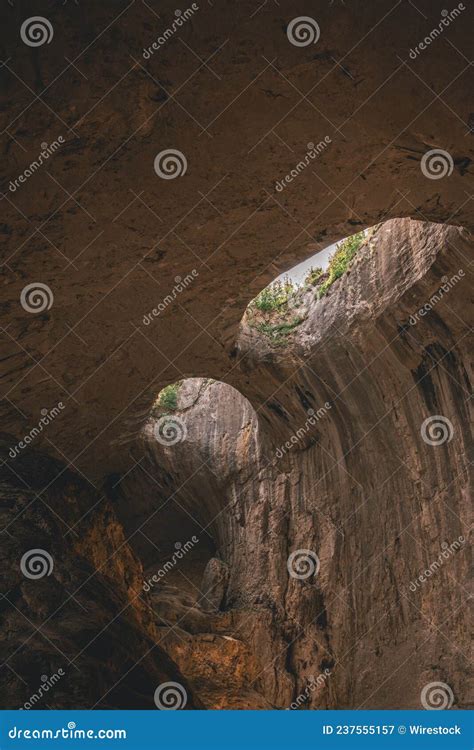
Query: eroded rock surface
[[109, 237], [73, 615], [360, 486]]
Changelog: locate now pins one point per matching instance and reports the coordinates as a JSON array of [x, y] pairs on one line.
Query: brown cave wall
[[110, 257], [109, 238], [87, 619], [361, 488]]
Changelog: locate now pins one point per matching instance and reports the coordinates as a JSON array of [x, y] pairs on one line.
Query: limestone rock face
[[109, 236], [311, 553], [275, 553], [374, 385]]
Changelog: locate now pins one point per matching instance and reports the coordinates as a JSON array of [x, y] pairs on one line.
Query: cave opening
[[177, 518], [238, 538], [274, 477], [260, 540], [285, 303]]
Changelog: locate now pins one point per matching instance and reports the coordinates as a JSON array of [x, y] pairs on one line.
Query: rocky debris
[[220, 668]]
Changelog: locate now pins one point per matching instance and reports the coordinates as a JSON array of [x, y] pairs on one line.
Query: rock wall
[[73, 614], [108, 236], [358, 484]]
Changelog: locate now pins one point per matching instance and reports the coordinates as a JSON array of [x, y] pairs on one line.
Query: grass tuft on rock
[[313, 276], [272, 311], [168, 397], [340, 261], [275, 297], [277, 332]]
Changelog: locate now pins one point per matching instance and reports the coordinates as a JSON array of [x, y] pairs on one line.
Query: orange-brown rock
[[309, 440], [360, 485]]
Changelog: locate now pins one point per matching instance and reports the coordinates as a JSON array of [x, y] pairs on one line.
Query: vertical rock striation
[[337, 460]]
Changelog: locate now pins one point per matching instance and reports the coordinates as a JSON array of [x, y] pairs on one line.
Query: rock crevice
[[361, 487]]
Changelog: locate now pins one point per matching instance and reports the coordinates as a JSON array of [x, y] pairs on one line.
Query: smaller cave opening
[[173, 504], [185, 518]]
